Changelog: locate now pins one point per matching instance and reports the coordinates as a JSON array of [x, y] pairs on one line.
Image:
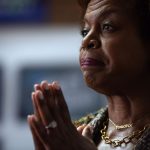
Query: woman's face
[[112, 55]]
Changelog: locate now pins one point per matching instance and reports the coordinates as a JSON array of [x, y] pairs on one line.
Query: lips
[[90, 62]]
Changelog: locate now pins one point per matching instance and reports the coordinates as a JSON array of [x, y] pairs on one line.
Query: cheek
[[80, 55], [83, 54], [115, 52], [120, 49], [126, 56]]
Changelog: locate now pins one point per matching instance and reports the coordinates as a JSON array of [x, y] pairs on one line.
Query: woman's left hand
[[51, 125]]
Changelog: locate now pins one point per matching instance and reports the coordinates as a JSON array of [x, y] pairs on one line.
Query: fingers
[[55, 100], [87, 133], [49, 97], [37, 141], [44, 86], [47, 141], [35, 108], [50, 106], [80, 129], [37, 87], [42, 108], [47, 92], [61, 103]]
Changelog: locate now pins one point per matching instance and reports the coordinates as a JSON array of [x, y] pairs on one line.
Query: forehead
[[99, 4], [111, 2], [97, 7]]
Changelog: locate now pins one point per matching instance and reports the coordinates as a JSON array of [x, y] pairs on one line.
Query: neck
[[128, 109]]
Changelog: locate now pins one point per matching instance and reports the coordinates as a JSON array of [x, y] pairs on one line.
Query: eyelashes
[[84, 32], [104, 28], [108, 27]]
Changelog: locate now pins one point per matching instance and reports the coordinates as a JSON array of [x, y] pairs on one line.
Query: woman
[[114, 60]]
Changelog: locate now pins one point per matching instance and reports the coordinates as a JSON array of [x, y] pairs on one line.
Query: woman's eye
[[84, 32], [107, 27]]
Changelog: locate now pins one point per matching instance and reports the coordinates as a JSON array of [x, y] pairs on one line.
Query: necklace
[[119, 127], [134, 136]]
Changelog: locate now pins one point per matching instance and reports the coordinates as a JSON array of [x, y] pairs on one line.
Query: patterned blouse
[[96, 120]]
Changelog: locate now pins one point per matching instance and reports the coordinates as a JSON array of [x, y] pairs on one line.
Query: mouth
[[91, 62]]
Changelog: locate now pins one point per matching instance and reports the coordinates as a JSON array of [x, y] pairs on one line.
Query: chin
[[101, 85], [92, 83]]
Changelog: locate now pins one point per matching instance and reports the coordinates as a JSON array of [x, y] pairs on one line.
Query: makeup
[[91, 62]]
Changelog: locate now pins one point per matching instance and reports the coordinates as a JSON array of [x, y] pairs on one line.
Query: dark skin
[[65, 136], [117, 42], [112, 38]]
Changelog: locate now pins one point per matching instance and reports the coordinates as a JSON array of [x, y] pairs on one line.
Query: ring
[[52, 124]]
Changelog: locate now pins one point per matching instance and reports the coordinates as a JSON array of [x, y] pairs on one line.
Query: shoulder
[[90, 118], [95, 120], [144, 142]]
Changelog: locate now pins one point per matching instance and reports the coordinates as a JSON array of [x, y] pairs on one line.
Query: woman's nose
[[91, 44]]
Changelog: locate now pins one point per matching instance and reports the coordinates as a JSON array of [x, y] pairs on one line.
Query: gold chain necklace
[[119, 127], [127, 139]]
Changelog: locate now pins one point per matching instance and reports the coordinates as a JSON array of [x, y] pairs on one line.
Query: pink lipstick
[[90, 62]]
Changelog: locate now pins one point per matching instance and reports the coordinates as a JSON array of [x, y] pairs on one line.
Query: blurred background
[[39, 40]]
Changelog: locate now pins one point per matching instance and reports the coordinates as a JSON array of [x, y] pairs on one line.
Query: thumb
[[81, 128], [88, 132]]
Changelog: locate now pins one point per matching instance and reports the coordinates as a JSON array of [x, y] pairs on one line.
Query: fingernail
[[56, 85], [36, 87], [28, 116], [45, 85], [41, 96]]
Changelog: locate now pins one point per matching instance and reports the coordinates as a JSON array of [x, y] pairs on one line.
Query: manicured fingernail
[[35, 87], [29, 117], [56, 85], [45, 85], [41, 96]]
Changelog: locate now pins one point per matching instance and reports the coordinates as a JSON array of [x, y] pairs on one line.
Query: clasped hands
[[51, 124]]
